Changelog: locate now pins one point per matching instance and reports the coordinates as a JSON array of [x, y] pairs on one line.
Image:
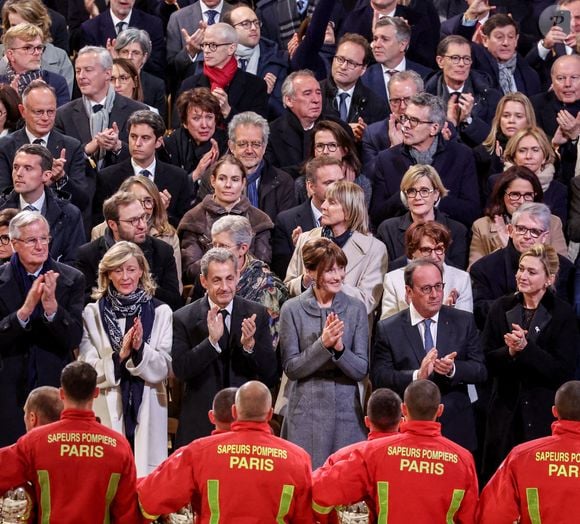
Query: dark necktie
[[301, 5], [146, 173], [429, 345], [97, 108], [120, 26], [211, 16], [343, 111], [224, 344], [30, 208], [391, 72], [243, 63], [226, 335], [38, 141]]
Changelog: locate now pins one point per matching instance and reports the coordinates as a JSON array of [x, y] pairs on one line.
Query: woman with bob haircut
[[127, 338]]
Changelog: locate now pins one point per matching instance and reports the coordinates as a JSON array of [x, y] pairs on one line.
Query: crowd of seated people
[[203, 193]]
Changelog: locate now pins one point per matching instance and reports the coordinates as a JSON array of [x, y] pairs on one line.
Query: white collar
[[38, 204], [460, 90], [348, 91], [151, 167], [117, 20], [205, 8], [32, 138], [416, 318], [229, 308], [401, 66]]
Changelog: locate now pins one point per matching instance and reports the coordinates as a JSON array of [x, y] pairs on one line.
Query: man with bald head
[[244, 474], [538, 481]]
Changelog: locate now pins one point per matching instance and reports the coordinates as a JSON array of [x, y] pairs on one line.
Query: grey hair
[[536, 210], [409, 74], [437, 111], [413, 265], [133, 35], [227, 32], [23, 219], [249, 118], [105, 58], [238, 227], [402, 28], [288, 84], [219, 255]]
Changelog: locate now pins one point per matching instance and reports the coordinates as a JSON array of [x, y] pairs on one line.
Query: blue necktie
[[243, 63], [342, 106], [429, 345], [211, 16], [252, 188], [146, 173]]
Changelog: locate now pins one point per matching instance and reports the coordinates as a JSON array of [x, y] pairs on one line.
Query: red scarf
[[221, 77]]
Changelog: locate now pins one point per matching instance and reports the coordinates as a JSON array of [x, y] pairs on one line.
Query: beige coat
[[367, 264], [485, 238]]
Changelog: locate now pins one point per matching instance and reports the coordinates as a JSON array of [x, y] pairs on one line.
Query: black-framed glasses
[[147, 202], [426, 290], [514, 196], [212, 46], [31, 242], [427, 251], [423, 192], [455, 59], [533, 232], [398, 101], [341, 60], [135, 220], [30, 49], [4, 240], [248, 24], [412, 121], [319, 147]]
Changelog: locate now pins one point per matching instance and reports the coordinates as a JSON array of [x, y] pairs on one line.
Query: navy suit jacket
[[97, 30], [374, 78], [398, 351], [205, 371], [56, 81]]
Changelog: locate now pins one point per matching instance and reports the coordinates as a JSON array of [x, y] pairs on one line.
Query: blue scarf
[[252, 185]]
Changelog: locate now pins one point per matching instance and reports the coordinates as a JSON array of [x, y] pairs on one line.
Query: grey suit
[[398, 351], [187, 18], [324, 407]]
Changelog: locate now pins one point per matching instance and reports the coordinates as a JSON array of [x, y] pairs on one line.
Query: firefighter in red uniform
[[538, 481], [81, 470], [416, 476], [382, 419], [246, 473], [220, 414]]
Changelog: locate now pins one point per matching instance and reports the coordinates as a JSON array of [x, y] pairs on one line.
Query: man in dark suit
[[31, 171], [41, 305], [494, 275], [126, 220], [267, 187], [435, 342], [121, 14], [344, 96], [381, 135], [99, 118], [69, 172], [236, 90], [146, 131], [320, 172], [219, 341], [391, 37], [260, 56]]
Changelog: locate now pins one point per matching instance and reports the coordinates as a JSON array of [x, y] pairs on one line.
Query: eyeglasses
[[121, 78], [135, 220], [341, 60], [426, 290], [255, 144], [426, 251], [534, 233], [423, 192], [514, 196], [39, 113], [30, 49], [320, 147], [4, 240], [412, 121], [223, 246], [147, 202], [212, 46], [455, 59], [135, 52], [398, 101], [247, 24], [3, 113], [31, 242]]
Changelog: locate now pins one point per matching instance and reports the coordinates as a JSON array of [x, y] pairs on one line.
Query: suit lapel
[[10, 293], [413, 337], [81, 121], [445, 333]]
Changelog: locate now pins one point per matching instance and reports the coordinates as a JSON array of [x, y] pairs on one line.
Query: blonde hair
[[541, 138], [352, 200], [115, 257], [32, 11], [24, 31], [547, 255], [415, 173], [489, 142]]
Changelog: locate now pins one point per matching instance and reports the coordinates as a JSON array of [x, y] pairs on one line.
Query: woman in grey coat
[[324, 344]]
